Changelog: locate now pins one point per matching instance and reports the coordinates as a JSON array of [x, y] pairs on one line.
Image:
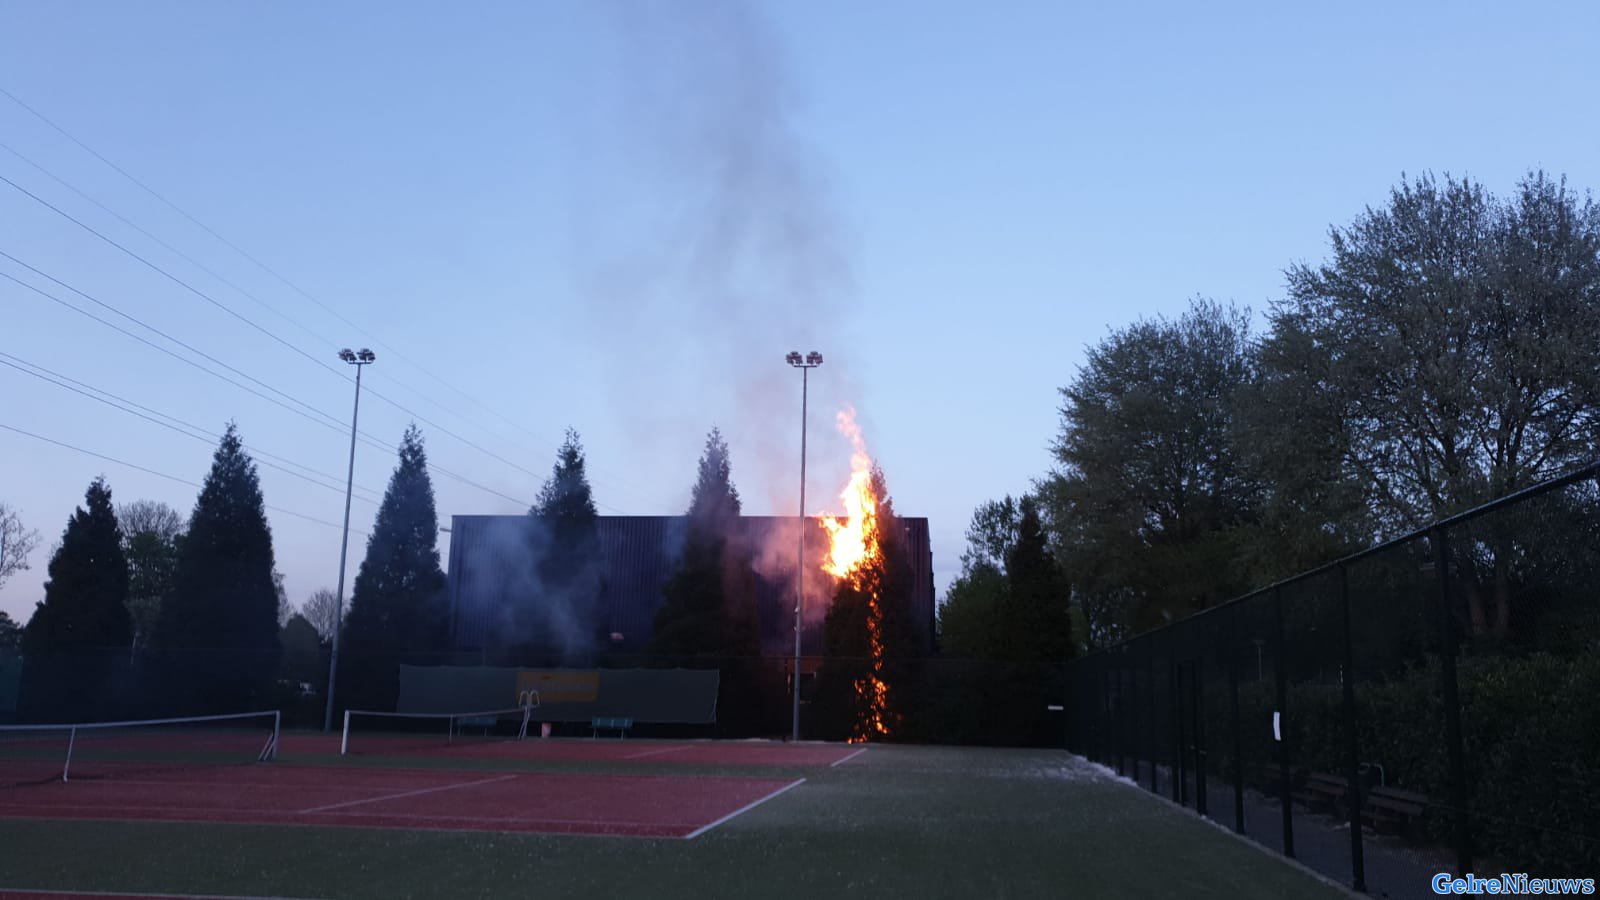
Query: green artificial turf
[[893, 822]]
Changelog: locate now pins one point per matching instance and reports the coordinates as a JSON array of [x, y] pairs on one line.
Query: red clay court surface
[[714, 753], [624, 805]]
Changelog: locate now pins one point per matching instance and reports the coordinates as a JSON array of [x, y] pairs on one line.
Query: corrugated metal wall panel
[[489, 554]]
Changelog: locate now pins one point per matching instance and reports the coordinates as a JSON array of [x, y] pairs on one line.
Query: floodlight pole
[[805, 365], [359, 359]]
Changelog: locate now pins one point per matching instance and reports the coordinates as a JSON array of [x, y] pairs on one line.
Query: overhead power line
[[173, 423], [149, 471], [258, 327], [468, 396], [303, 328], [175, 279], [327, 421]]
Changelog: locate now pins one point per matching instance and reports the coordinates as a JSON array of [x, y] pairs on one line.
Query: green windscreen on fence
[[676, 696]]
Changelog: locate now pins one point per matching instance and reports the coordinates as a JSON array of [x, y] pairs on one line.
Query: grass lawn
[[893, 822]]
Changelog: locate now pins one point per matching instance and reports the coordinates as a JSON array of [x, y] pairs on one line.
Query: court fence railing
[[1433, 695]]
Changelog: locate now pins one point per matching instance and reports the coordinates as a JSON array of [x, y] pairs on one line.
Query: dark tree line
[[1005, 628], [141, 615], [147, 613]]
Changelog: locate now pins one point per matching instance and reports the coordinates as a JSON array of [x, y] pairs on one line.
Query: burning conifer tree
[[864, 682]]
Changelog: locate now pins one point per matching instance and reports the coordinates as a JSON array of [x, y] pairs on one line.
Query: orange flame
[[849, 544], [854, 555]]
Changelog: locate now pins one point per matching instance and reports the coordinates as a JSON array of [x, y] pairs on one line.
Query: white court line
[[655, 752], [416, 793], [845, 759], [742, 810]]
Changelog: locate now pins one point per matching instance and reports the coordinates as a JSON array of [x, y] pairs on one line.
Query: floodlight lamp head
[[793, 358], [366, 355], [814, 358], [347, 355]]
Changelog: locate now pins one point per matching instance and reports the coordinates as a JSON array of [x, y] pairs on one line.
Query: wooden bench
[[619, 724], [1320, 789], [1268, 778], [1387, 808]]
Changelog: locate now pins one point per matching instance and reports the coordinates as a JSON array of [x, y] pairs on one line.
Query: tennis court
[[414, 815], [629, 805]]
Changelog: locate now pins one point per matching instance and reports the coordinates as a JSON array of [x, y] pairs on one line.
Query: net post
[[72, 739], [271, 751], [344, 740]]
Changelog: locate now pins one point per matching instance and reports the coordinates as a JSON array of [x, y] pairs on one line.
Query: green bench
[[619, 724], [459, 726]]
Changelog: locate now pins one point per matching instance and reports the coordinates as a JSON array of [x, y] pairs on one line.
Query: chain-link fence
[[1430, 704]]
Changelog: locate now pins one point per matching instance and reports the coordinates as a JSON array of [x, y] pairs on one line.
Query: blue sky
[[620, 216]]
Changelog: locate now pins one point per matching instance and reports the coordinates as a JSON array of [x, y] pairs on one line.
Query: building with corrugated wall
[[491, 564]]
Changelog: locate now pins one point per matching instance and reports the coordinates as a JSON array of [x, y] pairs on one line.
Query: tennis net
[[32, 754], [378, 732]]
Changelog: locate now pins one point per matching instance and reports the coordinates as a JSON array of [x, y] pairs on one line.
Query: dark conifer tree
[[708, 616], [693, 622], [1035, 635], [1034, 615], [78, 636], [218, 631], [397, 607], [564, 618]]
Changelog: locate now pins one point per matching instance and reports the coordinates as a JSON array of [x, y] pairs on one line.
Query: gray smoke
[[522, 609], [722, 249]]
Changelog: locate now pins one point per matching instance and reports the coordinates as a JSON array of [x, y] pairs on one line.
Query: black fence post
[[1352, 761], [1198, 694], [1150, 723], [1133, 721], [1283, 730], [1452, 707], [1173, 723], [1122, 726], [1233, 703]]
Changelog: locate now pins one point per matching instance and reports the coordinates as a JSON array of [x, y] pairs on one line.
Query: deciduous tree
[[321, 609], [1452, 333], [16, 542], [1149, 501], [10, 633], [150, 534]]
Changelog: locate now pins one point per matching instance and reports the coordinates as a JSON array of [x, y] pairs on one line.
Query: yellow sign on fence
[[558, 686]]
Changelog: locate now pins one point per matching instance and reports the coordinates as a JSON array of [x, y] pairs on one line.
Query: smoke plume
[[721, 250]]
